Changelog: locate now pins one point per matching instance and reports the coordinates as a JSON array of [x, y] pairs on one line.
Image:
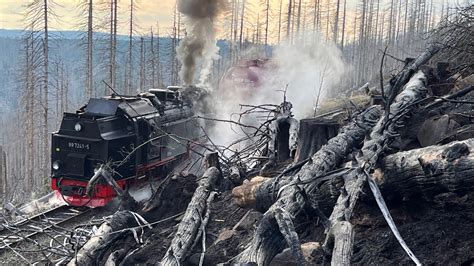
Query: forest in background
[[46, 73]]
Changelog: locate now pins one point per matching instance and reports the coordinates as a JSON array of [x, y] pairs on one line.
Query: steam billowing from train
[[199, 43]]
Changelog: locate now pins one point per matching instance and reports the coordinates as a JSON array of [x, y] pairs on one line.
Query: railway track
[[28, 227]]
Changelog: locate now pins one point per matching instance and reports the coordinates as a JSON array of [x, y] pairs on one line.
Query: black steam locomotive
[[140, 136]]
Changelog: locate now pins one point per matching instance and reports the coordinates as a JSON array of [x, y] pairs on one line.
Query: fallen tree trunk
[[94, 249], [194, 221], [424, 172], [429, 171], [268, 240], [380, 138]]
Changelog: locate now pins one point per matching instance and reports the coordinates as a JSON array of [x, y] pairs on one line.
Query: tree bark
[[93, 251], [312, 135], [90, 33], [189, 227], [429, 171], [373, 148]]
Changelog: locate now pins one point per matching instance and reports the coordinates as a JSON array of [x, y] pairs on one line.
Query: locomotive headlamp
[[78, 127], [56, 165]]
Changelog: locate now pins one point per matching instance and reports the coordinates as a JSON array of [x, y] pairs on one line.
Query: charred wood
[[380, 138], [94, 249], [325, 160], [419, 173], [194, 221], [312, 135], [397, 82], [268, 240]]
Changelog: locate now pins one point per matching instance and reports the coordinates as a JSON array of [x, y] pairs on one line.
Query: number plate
[[79, 146]]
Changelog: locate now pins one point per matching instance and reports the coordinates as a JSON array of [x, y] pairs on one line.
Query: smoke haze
[[306, 67], [200, 40]]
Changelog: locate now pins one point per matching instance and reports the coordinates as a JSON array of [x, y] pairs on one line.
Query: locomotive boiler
[[141, 137]]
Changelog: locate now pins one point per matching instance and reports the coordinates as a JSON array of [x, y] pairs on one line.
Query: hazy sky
[[148, 13]]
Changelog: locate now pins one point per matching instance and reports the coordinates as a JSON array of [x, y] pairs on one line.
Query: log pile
[[314, 186]]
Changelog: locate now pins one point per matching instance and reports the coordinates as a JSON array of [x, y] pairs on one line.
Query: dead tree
[[193, 224], [45, 140], [3, 173], [419, 173], [90, 48], [38, 16], [112, 46], [131, 31], [142, 64]]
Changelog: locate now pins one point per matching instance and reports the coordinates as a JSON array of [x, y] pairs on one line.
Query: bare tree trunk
[[142, 64], [130, 50], [279, 21], [267, 13], [90, 30], [2, 180], [288, 21], [114, 60], [298, 21], [173, 48], [61, 93], [159, 77], [366, 160], [152, 59], [242, 15], [235, 32], [343, 25], [391, 22], [45, 153], [328, 5], [30, 106], [109, 231], [111, 49], [336, 22]]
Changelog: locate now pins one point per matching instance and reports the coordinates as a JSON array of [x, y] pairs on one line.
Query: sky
[[149, 12]]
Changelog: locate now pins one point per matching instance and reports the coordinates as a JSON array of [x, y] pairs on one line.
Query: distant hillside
[[67, 47], [63, 34]]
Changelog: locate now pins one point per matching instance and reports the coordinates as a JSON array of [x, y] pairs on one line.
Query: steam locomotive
[[142, 136]]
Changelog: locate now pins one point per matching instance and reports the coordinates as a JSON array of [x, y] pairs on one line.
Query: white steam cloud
[[304, 67], [199, 42]]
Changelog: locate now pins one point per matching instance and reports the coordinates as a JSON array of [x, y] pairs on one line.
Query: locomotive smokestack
[[199, 16]]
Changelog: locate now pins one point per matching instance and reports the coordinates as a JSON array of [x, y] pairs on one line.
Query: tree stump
[[313, 134]]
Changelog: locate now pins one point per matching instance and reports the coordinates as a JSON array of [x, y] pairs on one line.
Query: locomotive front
[[85, 140]]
